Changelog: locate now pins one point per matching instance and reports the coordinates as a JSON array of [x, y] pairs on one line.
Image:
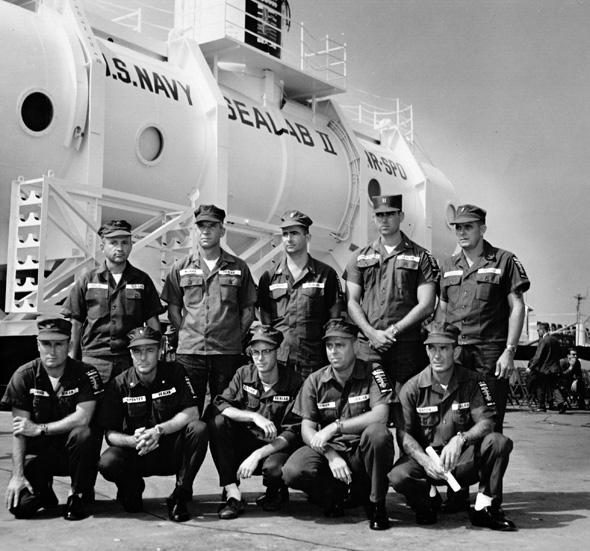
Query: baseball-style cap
[[386, 203], [53, 328], [115, 228], [339, 327], [265, 333], [469, 213], [209, 213], [295, 218], [442, 333], [143, 335]]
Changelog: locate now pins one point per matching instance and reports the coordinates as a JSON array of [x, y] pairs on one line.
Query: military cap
[[295, 218], [265, 333], [53, 328], [143, 335], [115, 228], [386, 203], [340, 327], [469, 213], [442, 333], [209, 213]]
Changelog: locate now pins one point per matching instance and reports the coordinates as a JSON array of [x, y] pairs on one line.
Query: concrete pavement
[[547, 494]]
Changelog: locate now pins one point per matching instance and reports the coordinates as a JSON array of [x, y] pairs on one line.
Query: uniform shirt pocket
[[97, 300], [192, 289], [488, 286], [229, 286]]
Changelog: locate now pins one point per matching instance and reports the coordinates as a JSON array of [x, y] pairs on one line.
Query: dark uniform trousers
[[215, 369], [181, 453], [369, 460], [486, 463], [231, 443], [401, 361], [482, 359], [74, 455]]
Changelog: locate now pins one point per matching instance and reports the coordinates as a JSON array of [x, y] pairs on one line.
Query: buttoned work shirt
[[476, 296], [246, 392], [390, 282], [109, 310], [433, 415], [300, 308], [212, 303], [129, 404], [30, 389], [322, 399]]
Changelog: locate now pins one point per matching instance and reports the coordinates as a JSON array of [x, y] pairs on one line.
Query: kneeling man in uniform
[[151, 422], [349, 451], [449, 410], [53, 399], [250, 435]]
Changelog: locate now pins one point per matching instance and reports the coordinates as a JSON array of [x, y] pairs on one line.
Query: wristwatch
[[464, 438], [43, 430], [338, 426], [159, 430], [511, 348]]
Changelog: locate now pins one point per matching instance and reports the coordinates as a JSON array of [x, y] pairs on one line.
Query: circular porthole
[[150, 144], [36, 112], [374, 188]]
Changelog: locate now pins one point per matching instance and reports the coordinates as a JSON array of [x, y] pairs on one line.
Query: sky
[[499, 92], [500, 97]]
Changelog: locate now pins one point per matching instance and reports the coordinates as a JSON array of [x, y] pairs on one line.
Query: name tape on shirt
[[357, 399], [97, 286], [38, 392], [164, 393], [497, 271], [313, 285], [230, 272], [135, 286], [462, 405], [134, 399], [381, 379], [408, 257], [191, 271], [70, 392], [250, 390], [274, 286], [487, 395], [452, 273], [372, 256], [326, 405], [281, 398], [427, 409]]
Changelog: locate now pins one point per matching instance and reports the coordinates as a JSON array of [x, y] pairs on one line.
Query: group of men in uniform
[[312, 408]]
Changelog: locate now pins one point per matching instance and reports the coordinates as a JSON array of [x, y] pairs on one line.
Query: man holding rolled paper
[[444, 429]]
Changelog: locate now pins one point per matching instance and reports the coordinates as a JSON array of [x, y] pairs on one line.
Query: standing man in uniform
[[344, 409], [391, 286], [451, 410], [544, 370], [248, 435], [482, 293], [298, 297], [53, 399], [211, 297], [151, 422], [107, 302]]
